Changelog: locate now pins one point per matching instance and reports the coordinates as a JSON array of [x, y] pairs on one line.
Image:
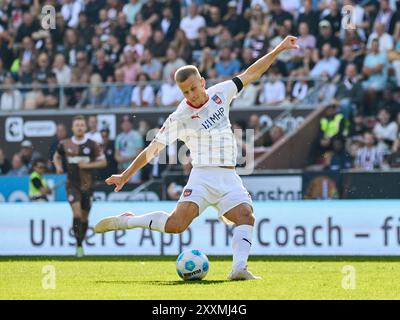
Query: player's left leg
[[86, 205], [242, 216]]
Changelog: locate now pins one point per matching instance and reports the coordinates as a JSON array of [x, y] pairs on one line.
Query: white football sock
[[154, 221], [241, 243]]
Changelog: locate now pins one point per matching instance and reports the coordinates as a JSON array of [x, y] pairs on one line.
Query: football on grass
[[192, 265]]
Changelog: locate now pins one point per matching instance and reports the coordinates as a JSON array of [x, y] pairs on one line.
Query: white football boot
[[242, 274], [113, 223]]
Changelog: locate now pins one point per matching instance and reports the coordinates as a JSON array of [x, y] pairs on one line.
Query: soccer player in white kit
[[202, 122]]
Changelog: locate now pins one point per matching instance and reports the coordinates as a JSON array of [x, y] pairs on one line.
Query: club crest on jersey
[[187, 192], [216, 99]]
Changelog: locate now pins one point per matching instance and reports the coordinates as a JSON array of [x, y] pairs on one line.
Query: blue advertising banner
[[337, 227], [16, 189]]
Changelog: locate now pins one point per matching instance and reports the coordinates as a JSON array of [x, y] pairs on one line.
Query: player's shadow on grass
[[163, 282]]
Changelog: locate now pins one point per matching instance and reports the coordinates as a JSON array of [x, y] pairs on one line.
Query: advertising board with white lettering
[[346, 227]]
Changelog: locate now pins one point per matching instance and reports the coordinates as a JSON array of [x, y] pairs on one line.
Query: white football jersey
[[206, 130]]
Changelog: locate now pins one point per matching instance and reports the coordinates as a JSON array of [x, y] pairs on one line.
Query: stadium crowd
[[128, 51]]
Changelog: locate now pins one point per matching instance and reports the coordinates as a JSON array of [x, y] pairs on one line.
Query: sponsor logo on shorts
[[187, 192]]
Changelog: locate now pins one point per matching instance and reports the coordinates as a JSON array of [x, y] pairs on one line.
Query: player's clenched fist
[[118, 180], [288, 43]]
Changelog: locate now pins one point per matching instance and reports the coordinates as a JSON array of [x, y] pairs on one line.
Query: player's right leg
[[176, 222]]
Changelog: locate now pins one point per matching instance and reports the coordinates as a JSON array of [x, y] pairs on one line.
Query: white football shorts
[[219, 187]]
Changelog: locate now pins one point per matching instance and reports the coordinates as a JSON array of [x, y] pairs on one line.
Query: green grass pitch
[[155, 278]]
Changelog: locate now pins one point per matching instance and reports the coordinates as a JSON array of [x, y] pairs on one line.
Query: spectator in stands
[[18, 168], [246, 58], [182, 46], [158, 45], [326, 36], [309, 16], [349, 93], [385, 40], [128, 144], [141, 29], [131, 9], [43, 68], [375, 69], [121, 29], [305, 40], [385, 16], [273, 92], [368, 157], [385, 131], [328, 63], [132, 44], [5, 165], [348, 57], [227, 66], [237, 25], [80, 75], [102, 67], [93, 132], [202, 42], [334, 17], [192, 22], [207, 63], [173, 63], [61, 70], [113, 49], [61, 134], [28, 154], [109, 151], [358, 126], [340, 159], [25, 75], [51, 92], [70, 11], [168, 24], [84, 30], [130, 68], [34, 99], [169, 94], [118, 94], [300, 88], [28, 27], [214, 21], [151, 66], [11, 98], [142, 93], [71, 47], [26, 53], [96, 94], [256, 40]]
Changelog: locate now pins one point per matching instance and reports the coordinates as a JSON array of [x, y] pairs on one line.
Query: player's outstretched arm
[[257, 69], [139, 162]]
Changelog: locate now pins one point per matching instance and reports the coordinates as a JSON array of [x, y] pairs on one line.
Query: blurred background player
[[82, 155]]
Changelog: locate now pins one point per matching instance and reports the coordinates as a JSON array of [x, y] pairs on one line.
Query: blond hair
[[185, 72]]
